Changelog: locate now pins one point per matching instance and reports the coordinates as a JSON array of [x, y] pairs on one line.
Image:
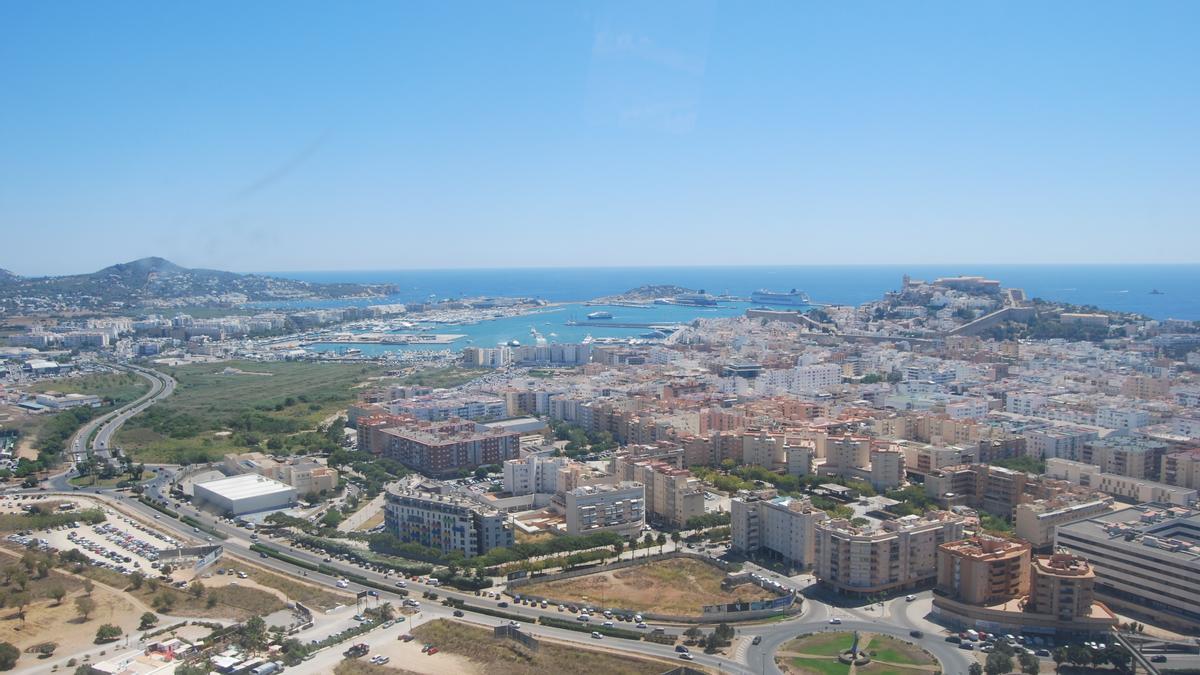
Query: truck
[[357, 650]]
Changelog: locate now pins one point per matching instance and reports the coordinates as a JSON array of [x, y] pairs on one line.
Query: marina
[[387, 339]]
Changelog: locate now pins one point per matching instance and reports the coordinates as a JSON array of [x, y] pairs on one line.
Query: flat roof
[[245, 485]]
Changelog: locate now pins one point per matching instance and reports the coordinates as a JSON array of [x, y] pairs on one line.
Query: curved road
[[161, 386]]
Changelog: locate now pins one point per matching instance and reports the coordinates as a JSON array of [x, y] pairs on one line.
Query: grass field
[[225, 602], [309, 594], [119, 388], [94, 480], [806, 666], [876, 668], [898, 652], [506, 656], [681, 586], [822, 644], [233, 406], [364, 667], [817, 655]]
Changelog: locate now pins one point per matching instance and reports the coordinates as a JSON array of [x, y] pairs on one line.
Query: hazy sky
[[295, 135]]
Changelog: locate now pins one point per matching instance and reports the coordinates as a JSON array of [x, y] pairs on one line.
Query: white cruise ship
[[790, 298]]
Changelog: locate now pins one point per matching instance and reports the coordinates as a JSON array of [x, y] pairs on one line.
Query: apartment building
[[896, 554], [1062, 586], [857, 457], [1145, 561], [445, 523], [1146, 387], [534, 474], [441, 408], [983, 570], [673, 495], [994, 489], [1037, 520], [763, 449], [616, 508], [1182, 469], [444, 448], [1133, 456], [779, 527], [1024, 403], [1121, 418], [1136, 490], [1064, 441], [923, 458]]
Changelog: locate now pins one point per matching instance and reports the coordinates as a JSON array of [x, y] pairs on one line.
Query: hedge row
[[159, 507], [588, 627], [188, 520]]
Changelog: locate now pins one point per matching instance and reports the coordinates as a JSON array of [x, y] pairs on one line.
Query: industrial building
[[247, 493], [1146, 561]]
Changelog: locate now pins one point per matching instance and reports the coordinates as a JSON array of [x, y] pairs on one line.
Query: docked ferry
[[792, 297]]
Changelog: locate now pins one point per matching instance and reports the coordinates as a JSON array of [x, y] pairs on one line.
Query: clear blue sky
[[296, 135]]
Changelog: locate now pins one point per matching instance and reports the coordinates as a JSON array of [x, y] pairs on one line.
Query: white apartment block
[[1025, 403], [1121, 418], [619, 508], [1057, 441], [782, 527], [967, 408], [817, 377], [535, 474]]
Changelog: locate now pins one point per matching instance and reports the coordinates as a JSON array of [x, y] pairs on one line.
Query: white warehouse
[[247, 493]]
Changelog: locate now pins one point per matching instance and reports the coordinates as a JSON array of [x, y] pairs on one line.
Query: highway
[[161, 386]]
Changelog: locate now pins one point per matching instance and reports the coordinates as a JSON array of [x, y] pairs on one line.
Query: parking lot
[[119, 543]]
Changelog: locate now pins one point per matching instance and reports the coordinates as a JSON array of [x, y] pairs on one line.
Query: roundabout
[[845, 653]]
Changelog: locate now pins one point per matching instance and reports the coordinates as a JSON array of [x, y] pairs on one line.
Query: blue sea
[[1113, 287]]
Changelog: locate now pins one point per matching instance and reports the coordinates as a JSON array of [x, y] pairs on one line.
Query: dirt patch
[[679, 586], [46, 620]]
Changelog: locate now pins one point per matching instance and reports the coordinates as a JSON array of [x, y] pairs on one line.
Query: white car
[[910, 598], [835, 620], [597, 636]]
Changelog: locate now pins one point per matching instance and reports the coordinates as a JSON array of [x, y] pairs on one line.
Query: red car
[[432, 651]]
